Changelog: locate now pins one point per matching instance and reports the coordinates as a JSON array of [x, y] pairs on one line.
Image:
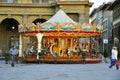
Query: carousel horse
[[62, 52], [75, 51], [54, 54], [46, 49]]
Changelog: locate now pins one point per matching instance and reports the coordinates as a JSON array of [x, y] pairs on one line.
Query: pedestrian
[[0, 52], [101, 56], [13, 52], [114, 58], [83, 57], [105, 56]]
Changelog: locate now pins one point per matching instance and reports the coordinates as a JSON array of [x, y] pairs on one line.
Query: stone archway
[[10, 24], [9, 33], [39, 20]]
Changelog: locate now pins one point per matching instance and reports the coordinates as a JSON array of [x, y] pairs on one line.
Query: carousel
[[60, 40]]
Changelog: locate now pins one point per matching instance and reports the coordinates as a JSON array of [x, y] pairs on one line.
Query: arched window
[[39, 20]]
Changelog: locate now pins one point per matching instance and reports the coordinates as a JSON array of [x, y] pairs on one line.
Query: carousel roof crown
[[61, 17]]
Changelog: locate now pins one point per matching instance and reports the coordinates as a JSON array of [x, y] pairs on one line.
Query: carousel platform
[[69, 61], [60, 60]]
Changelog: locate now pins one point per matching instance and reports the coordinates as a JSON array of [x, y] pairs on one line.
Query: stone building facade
[[15, 12], [115, 8], [103, 16]]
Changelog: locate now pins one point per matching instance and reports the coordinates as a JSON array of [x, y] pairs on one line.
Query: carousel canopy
[[61, 25], [59, 18]]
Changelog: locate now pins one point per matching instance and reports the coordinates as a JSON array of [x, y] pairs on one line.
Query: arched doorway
[[39, 20], [9, 33]]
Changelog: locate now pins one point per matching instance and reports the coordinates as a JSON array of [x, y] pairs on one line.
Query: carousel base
[[68, 61], [60, 60]]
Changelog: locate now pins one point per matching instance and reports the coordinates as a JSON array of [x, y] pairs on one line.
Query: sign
[[105, 41]]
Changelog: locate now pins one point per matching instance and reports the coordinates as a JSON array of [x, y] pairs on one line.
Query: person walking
[[114, 58], [13, 52], [105, 56]]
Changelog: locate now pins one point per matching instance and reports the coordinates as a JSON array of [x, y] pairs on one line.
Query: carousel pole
[[20, 46], [39, 37]]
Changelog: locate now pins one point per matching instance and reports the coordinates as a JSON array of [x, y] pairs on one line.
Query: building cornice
[[116, 2], [20, 13], [24, 5], [74, 3]]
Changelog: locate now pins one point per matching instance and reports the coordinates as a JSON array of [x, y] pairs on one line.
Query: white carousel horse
[[54, 54], [74, 51]]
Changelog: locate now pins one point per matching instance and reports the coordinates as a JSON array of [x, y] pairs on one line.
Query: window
[[40, 1], [105, 24], [35, 1], [9, 1], [45, 1]]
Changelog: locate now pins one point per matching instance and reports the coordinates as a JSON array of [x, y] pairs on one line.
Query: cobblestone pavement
[[99, 71]]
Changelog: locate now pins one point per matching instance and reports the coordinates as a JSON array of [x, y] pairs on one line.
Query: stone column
[[86, 17], [81, 18], [24, 20]]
